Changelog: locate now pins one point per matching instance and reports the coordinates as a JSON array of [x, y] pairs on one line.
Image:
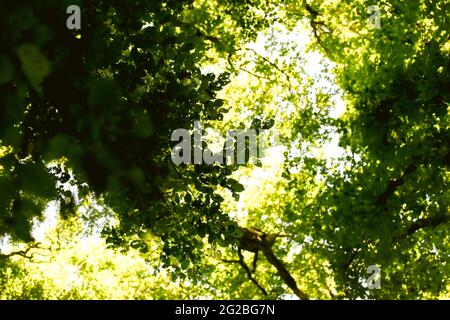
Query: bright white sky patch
[[50, 220]]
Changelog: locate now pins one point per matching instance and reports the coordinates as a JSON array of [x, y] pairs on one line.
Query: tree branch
[[242, 263], [394, 184], [283, 272], [314, 23], [27, 254], [431, 222], [255, 240]]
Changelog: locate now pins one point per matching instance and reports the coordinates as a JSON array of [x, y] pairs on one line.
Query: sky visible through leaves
[[350, 199]]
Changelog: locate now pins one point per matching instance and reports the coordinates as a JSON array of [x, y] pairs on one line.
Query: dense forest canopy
[[350, 199]]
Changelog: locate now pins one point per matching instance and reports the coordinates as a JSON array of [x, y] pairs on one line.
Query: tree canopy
[[355, 174]]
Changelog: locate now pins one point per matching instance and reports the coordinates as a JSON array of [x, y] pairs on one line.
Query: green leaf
[[235, 186], [34, 64], [34, 179], [23, 211], [103, 93], [6, 70], [144, 126], [185, 264]]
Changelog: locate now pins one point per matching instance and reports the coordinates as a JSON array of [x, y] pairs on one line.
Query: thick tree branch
[[353, 254], [247, 270], [283, 272], [255, 240], [394, 184], [431, 222]]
